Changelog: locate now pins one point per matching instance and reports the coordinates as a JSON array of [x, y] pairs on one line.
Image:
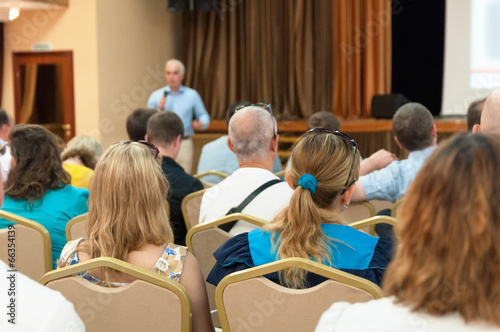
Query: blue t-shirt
[[186, 103], [53, 212], [391, 182]]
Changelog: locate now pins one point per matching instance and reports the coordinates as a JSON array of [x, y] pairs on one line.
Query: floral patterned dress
[[169, 264]]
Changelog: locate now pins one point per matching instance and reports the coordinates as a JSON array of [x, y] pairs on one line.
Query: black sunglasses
[[265, 106], [154, 150], [346, 138]]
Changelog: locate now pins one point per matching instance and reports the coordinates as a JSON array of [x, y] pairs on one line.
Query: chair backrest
[[280, 173], [30, 241], [150, 303], [359, 211], [76, 227], [191, 208], [246, 301], [371, 222], [212, 172], [381, 205], [204, 239], [395, 207]]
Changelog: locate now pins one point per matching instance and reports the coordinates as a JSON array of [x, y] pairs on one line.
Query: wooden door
[[44, 92]]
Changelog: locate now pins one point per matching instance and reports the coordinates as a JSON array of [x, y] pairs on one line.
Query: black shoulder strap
[[227, 227]]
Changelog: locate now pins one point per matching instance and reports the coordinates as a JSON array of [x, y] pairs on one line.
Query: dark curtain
[[277, 51]]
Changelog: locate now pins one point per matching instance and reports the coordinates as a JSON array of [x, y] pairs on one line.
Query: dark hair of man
[[325, 120], [474, 113], [4, 118], [164, 127], [37, 166], [412, 126], [137, 122], [232, 108]]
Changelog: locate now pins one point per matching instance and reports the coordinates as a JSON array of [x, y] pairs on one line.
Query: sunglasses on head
[[347, 139], [265, 106], [154, 150]]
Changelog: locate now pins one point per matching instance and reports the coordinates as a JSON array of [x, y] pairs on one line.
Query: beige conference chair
[[26, 246], [204, 239], [248, 301], [150, 303], [191, 208]]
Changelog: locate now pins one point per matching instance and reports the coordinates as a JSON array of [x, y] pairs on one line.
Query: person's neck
[[168, 151], [175, 90], [264, 164], [73, 161]]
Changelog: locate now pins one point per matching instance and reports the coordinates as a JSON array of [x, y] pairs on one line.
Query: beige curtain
[[362, 55], [275, 51], [29, 92]]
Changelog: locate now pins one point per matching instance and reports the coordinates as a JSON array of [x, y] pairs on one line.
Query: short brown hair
[[448, 258], [137, 122], [412, 126], [324, 119], [164, 127]]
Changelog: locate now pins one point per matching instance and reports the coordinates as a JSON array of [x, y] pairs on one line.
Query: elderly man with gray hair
[[254, 140], [186, 103]]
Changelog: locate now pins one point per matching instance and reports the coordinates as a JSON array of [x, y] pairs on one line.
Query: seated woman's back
[[38, 187], [324, 168], [127, 220], [444, 276]]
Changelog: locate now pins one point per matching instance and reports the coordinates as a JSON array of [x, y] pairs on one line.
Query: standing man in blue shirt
[[186, 103]]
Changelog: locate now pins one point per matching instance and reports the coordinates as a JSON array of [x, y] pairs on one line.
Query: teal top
[[53, 212]]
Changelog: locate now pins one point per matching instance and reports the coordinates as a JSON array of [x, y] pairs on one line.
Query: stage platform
[[371, 134]]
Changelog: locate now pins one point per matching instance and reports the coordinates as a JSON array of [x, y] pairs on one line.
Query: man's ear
[[229, 144], [434, 131], [399, 144], [288, 179], [146, 138], [476, 129], [274, 143], [177, 141]]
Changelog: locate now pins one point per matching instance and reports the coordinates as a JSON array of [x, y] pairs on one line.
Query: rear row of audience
[[445, 267]]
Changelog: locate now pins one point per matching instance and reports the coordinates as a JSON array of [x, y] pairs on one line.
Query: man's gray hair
[[251, 130], [177, 63]]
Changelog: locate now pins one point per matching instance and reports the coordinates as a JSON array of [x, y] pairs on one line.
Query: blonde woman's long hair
[[448, 257], [126, 203], [328, 157]]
